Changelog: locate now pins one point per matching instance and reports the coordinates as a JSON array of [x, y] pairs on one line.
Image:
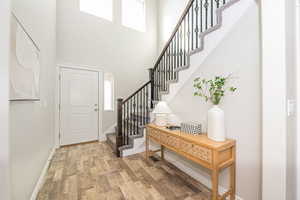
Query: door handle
[[96, 109]]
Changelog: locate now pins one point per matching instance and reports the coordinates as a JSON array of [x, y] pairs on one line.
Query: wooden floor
[[93, 172]]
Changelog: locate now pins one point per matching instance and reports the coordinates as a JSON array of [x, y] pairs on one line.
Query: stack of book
[[194, 128]]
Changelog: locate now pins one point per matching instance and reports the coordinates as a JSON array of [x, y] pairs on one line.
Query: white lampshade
[[162, 108]]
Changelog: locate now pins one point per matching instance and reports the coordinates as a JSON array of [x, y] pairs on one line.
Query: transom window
[[99, 8], [134, 14]]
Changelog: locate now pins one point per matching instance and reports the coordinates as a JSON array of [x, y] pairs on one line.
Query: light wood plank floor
[[93, 172]]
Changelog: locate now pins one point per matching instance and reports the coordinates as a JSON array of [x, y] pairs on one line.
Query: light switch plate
[[291, 107]]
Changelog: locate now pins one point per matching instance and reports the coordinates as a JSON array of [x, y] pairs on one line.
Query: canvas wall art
[[25, 64]]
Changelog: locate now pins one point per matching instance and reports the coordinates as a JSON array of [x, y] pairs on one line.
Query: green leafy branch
[[212, 90]]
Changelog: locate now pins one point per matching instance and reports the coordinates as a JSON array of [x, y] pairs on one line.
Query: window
[[108, 92], [133, 14], [99, 8]]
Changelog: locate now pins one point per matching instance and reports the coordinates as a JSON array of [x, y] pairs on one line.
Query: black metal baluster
[[147, 103], [127, 119], [197, 27], [178, 49], [181, 45], [131, 120], [170, 60], [184, 41], [212, 13], [192, 28], [155, 84], [169, 64], [123, 133], [154, 88], [201, 16], [137, 114], [159, 75], [163, 73], [206, 4], [158, 80], [143, 105], [174, 53], [188, 32], [218, 3], [173, 58]]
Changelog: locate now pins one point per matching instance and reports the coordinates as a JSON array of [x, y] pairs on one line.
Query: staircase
[[200, 18]]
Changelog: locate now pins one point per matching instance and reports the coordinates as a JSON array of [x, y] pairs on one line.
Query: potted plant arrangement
[[213, 91]]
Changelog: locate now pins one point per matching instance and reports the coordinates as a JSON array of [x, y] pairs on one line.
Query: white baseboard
[[42, 176]]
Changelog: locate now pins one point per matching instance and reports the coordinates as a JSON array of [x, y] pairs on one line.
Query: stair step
[[111, 140]]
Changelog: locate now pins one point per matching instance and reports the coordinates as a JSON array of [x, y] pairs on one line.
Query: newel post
[[151, 77], [119, 138]]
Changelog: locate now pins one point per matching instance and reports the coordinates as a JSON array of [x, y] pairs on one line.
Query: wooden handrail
[[136, 91], [185, 12]]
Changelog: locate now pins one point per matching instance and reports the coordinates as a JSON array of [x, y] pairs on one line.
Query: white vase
[[216, 124]]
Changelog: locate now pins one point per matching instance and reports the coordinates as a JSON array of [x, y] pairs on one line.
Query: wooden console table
[[212, 155]]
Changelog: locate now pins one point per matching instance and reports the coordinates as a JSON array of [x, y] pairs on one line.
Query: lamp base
[[161, 120]]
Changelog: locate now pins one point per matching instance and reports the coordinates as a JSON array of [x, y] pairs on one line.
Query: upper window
[[108, 92], [99, 8], [133, 14]]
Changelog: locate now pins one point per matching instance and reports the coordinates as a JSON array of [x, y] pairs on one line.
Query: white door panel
[[79, 106]]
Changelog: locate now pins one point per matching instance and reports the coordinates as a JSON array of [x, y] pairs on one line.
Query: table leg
[[147, 147], [215, 185], [162, 151], [232, 181]]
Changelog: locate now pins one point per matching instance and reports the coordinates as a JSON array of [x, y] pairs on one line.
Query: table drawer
[[154, 134], [169, 140], [196, 151]]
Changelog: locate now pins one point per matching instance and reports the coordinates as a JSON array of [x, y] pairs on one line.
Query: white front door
[[79, 106]]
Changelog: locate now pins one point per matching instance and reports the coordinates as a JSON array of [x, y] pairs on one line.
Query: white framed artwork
[[24, 66]]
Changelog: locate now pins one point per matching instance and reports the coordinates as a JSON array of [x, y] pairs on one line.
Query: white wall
[[4, 133], [274, 81], [83, 39], [238, 53], [169, 12], [32, 123]]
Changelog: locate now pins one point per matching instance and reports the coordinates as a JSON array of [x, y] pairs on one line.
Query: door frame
[[298, 94], [101, 136]]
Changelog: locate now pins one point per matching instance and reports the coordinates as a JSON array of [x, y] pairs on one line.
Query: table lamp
[[161, 112]]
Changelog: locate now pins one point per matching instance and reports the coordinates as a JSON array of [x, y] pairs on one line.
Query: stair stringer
[[210, 40]]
